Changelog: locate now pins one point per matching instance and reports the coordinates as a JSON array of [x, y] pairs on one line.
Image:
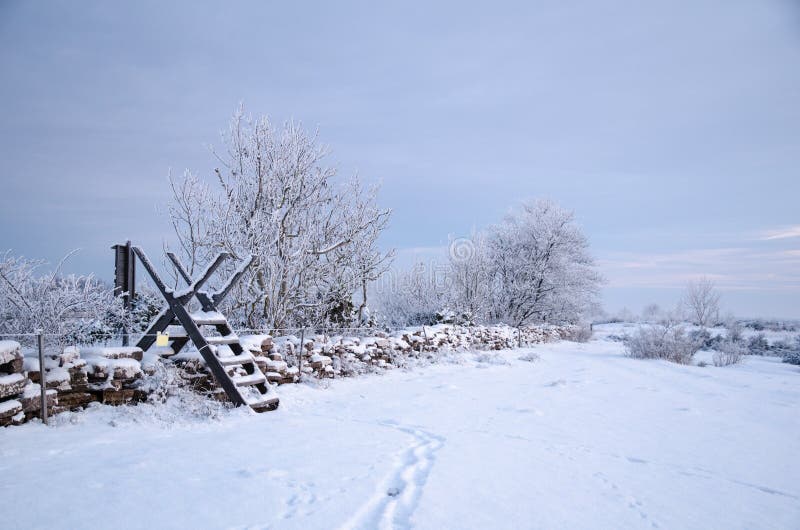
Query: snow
[[116, 368], [11, 404], [208, 316], [253, 342], [8, 347], [113, 352], [583, 437], [34, 390], [11, 379]]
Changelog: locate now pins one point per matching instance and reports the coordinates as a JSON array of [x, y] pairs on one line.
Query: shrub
[[667, 342], [789, 352], [704, 339], [758, 345], [529, 357], [733, 330], [792, 358], [729, 352], [582, 333], [491, 358]]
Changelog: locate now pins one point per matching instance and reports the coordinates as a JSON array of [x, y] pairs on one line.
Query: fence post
[[42, 377], [300, 355]]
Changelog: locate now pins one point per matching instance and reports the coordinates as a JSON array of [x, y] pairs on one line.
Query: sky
[[670, 128]]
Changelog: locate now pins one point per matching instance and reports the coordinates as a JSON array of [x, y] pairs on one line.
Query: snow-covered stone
[[119, 352], [11, 360], [12, 384]]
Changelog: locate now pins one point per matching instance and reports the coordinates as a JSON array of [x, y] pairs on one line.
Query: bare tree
[[652, 312], [469, 277], [701, 302], [314, 241]]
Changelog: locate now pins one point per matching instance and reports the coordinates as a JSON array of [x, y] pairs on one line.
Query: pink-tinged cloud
[[782, 233]]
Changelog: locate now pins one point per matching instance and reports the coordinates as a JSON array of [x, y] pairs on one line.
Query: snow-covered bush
[[790, 352], [729, 352], [734, 329], [491, 358], [581, 333], [414, 297], [667, 342], [704, 338], [792, 357], [71, 308], [758, 345], [772, 325]]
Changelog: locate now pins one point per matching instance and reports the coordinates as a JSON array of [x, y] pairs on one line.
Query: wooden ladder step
[[209, 319], [265, 404], [242, 358], [227, 339], [256, 378]]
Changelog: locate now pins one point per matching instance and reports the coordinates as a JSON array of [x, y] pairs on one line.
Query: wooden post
[[300, 355], [42, 377], [125, 280]]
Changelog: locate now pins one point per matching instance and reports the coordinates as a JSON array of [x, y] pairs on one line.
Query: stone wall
[[77, 377]]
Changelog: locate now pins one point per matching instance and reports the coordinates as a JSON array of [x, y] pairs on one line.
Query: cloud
[[781, 233], [731, 268]]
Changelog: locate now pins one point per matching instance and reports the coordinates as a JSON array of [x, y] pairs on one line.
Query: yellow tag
[[162, 339]]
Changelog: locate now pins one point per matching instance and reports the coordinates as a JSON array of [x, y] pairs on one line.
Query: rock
[[11, 362], [275, 366], [100, 369], [73, 400], [122, 396], [120, 352], [69, 355], [12, 384], [319, 361], [31, 399], [9, 412], [261, 362], [9, 350]]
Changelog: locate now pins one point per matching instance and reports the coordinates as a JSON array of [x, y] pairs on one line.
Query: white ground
[[582, 438]]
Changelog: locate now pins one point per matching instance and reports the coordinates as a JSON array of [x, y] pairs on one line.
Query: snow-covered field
[[582, 438]]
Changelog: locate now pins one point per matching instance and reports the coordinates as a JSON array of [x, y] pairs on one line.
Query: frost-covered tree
[[68, 308], [314, 240], [652, 312], [469, 277], [413, 297], [532, 267], [701, 302], [541, 267]]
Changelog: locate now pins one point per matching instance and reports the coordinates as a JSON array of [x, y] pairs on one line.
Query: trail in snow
[[397, 495]]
